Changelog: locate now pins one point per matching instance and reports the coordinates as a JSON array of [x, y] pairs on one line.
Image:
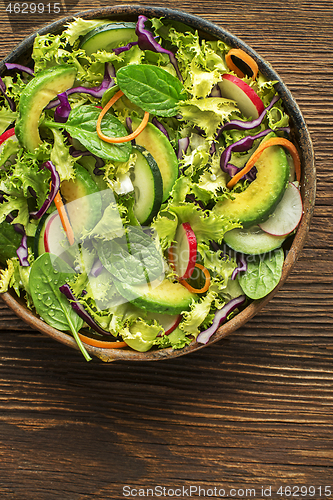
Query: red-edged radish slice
[[245, 97], [185, 251], [6, 135], [287, 214], [167, 321], [55, 239]]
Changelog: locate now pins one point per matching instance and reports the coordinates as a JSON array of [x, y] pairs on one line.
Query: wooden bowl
[[300, 136]]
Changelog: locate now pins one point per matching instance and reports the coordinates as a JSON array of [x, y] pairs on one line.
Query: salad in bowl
[[149, 184]]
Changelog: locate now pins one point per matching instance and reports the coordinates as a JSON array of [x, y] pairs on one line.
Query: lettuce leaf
[[61, 158], [6, 118], [140, 335]]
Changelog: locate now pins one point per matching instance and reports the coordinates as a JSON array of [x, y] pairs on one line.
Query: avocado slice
[[108, 37], [35, 96], [166, 298], [158, 145], [83, 201], [260, 198]]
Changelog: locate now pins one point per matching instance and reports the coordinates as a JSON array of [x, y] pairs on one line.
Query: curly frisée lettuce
[[81, 258]]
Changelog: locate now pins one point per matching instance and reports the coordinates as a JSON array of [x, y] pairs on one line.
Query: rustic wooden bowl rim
[[302, 138]]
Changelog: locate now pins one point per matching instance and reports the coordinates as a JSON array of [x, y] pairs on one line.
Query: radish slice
[[55, 239], [245, 97], [167, 321], [6, 135], [185, 251], [287, 214]]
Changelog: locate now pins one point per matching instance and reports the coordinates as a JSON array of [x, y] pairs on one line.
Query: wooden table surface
[[253, 411]]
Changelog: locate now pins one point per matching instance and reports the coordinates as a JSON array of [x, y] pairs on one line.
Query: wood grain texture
[[252, 410]]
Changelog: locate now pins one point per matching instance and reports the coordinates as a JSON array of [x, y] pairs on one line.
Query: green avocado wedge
[[83, 201], [254, 205], [152, 139], [36, 95], [165, 298], [108, 37]]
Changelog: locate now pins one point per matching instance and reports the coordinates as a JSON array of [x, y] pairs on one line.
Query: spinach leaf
[[133, 259], [9, 241], [151, 88], [47, 274], [263, 274], [81, 125]]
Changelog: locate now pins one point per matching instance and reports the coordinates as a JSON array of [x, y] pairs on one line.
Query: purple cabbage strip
[[76, 153], [183, 144], [96, 269], [160, 127], [243, 125], [62, 111], [107, 83], [19, 67], [80, 310], [147, 41], [18, 227], [233, 170], [119, 50], [22, 252], [215, 92], [220, 316], [129, 124], [240, 146], [241, 266], [3, 90], [55, 185]]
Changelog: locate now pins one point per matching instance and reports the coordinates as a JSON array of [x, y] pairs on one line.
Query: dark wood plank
[[254, 409]]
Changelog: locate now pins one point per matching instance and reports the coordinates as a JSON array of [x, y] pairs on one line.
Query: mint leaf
[[263, 274], [151, 88], [81, 125], [133, 258]]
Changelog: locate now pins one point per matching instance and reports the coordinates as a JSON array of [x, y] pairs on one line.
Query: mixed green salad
[[147, 183]]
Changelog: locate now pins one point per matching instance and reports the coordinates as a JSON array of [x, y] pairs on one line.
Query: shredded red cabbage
[[240, 146], [119, 50], [244, 125], [183, 144], [3, 90], [62, 111], [146, 41], [80, 310], [55, 185], [76, 153], [107, 83], [160, 127], [19, 67], [96, 269], [215, 92], [241, 266], [220, 316], [22, 252]]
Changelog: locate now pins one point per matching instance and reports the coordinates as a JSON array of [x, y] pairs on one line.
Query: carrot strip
[[206, 285], [273, 141], [118, 140], [243, 56], [64, 218], [101, 343]]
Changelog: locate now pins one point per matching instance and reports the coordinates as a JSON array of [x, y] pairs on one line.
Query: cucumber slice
[[39, 237], [35, 96], [165, 298], [108, 37], [252, 240], [148, 186], [152, 139]]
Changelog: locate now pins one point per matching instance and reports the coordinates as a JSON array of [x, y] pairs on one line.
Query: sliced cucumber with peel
[[163, 153], [148, 186], [252, 240], [108, 37]]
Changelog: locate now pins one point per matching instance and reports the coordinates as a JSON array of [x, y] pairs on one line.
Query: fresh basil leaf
[[151, 88], [133, 258], [263, 274], [47, 274], [81, 125], [9, 241]]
